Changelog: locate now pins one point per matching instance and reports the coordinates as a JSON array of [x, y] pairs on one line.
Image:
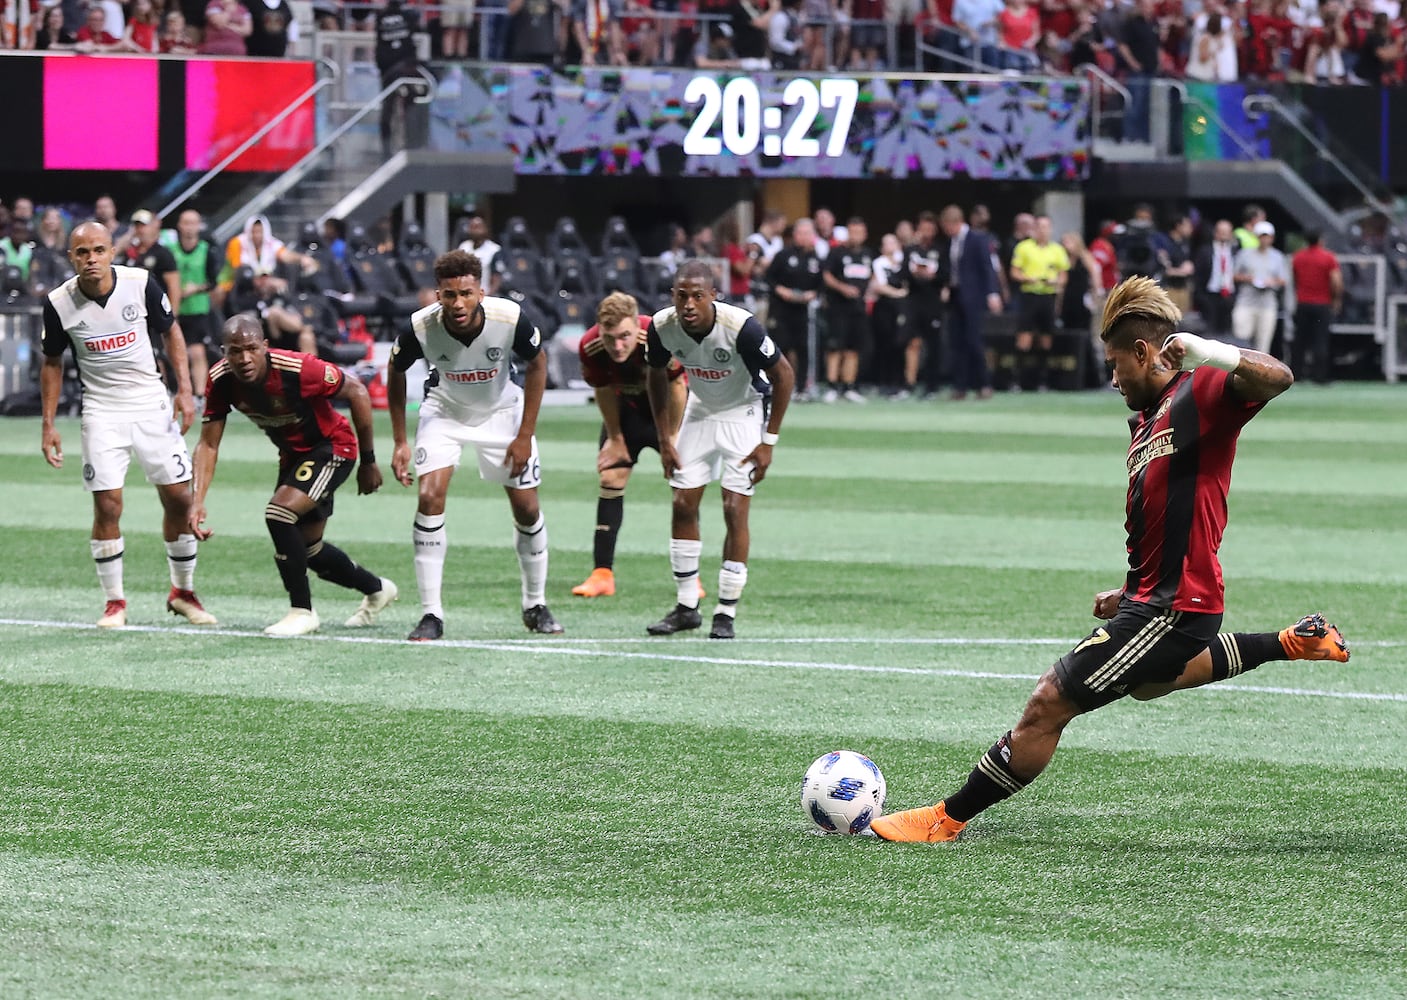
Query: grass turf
[[217, 814]]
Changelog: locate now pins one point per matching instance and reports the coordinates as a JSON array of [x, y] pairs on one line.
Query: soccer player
[[727, 434], [289, 397], [108, 315], [613, 363], [1190, 398], [1040, 266], [466, 338]]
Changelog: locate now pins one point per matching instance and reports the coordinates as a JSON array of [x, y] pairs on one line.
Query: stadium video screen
[[227, 101]]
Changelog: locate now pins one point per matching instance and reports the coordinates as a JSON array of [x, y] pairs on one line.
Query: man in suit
[[970, 283], [1214, 285]]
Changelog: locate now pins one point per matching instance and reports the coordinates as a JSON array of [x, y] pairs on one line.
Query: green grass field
[[216, 814]]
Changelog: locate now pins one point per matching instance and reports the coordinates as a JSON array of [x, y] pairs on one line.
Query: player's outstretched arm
[[1254, 376], [51, 383], [395, 404], [359, 403], [207, 453]]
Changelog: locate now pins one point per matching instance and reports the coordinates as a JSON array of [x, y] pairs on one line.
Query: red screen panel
[[227, 101], [100, 114]]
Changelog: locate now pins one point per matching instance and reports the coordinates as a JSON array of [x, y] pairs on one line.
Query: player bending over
[[613, 363], [1190, 399], [289, 397]]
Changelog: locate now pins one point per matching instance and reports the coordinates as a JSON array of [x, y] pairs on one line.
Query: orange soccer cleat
[[1312, 638], [925, 825], [601, 583]]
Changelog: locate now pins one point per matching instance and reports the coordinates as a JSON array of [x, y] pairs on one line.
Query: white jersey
[[471, 381], [726, 369], [112, 341]]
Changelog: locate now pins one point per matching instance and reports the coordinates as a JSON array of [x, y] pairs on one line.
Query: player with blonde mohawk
[[1190, 398]]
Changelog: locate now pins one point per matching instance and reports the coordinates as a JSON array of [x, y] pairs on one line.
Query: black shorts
[[199, 328], [1037, 313], [848, 329], [787, 327], [1139, 645], [316, 473], [637, 424]]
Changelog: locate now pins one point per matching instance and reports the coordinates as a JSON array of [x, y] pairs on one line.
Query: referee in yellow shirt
[[1039, 265]]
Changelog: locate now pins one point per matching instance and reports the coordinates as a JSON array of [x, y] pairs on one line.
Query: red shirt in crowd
[[1313, 266], [1019, 30]]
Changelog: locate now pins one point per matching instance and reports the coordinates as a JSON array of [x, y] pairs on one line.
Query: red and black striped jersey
[[1179, 465], [292, 404]]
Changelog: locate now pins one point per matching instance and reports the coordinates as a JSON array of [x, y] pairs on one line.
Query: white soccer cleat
[[188, 606], [298, 621], [373, 604]]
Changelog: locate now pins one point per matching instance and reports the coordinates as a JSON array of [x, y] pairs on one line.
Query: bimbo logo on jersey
[[707, 374], [473, 375], [117, 342]]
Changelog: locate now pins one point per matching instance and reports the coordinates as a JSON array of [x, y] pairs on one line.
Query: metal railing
[[321, 84], [1099, 82], [268, 195], [954, 55]]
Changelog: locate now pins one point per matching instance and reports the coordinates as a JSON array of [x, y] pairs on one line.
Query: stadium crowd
[[1329, 42]]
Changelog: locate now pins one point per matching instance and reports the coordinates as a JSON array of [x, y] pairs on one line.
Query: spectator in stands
[[94, 36], [177, 39], [1379, 53], [1214, 284], [1213, 54], [596, 29], [1327, 41], [739, 264], [869, 36], [52, 35], [143, 250], [1103, 251], [456, 17], [976, 22], [749, 21], [52, 233], [228, 24], [1358, 24], [396, 59], [536, 29], [258, 249], [817, 16], [17, 249], [716, 51], [1139, 50], [678, 250], [784, 35], [1260, 275], [273, 28], [1178, 268], [114, 16], [1318, 298], [702, 243], [640, 31], [1019, 28], [142, 28]]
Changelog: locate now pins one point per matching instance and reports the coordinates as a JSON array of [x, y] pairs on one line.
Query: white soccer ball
[[842, 792]]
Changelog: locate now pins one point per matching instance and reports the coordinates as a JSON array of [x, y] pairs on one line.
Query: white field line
[[592, 648]]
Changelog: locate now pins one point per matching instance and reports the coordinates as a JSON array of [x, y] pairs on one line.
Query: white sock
[[430, 545], [107, 554], [684, 560], [180, 558], [732, 578], [531, 545]]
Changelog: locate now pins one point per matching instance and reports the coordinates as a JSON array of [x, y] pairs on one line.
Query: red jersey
[[1179, 465], [1312, 267], [292, 405], [627, 377], [1108, 260], [1018, 29]]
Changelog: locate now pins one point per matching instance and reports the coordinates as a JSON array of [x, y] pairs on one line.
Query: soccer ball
[[842, 791]]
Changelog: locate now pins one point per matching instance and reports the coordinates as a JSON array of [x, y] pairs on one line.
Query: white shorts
[[440, 441], [712, 449], [110, 443]]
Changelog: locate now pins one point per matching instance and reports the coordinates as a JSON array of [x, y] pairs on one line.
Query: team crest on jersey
[[537, 337], [494, 353], [88, 473], [767, 347], [329, 375], [129, 311], [420, 455], [722, 356]]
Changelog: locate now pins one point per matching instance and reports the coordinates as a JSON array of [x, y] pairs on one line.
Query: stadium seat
[[417, 259], [524, 269], [575, 275], [616, 237], [615, 279], [566, 241], [516, 236], [574, 310], [14, 289]]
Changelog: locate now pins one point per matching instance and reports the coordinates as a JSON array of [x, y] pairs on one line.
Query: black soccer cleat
[[681, 619], [429, 629], [722, 627], [539, 619]]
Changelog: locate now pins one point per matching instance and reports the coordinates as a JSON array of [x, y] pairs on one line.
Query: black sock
[[335, 566], [990, 782], [1236, 653], [290, 554], [610, 511]]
